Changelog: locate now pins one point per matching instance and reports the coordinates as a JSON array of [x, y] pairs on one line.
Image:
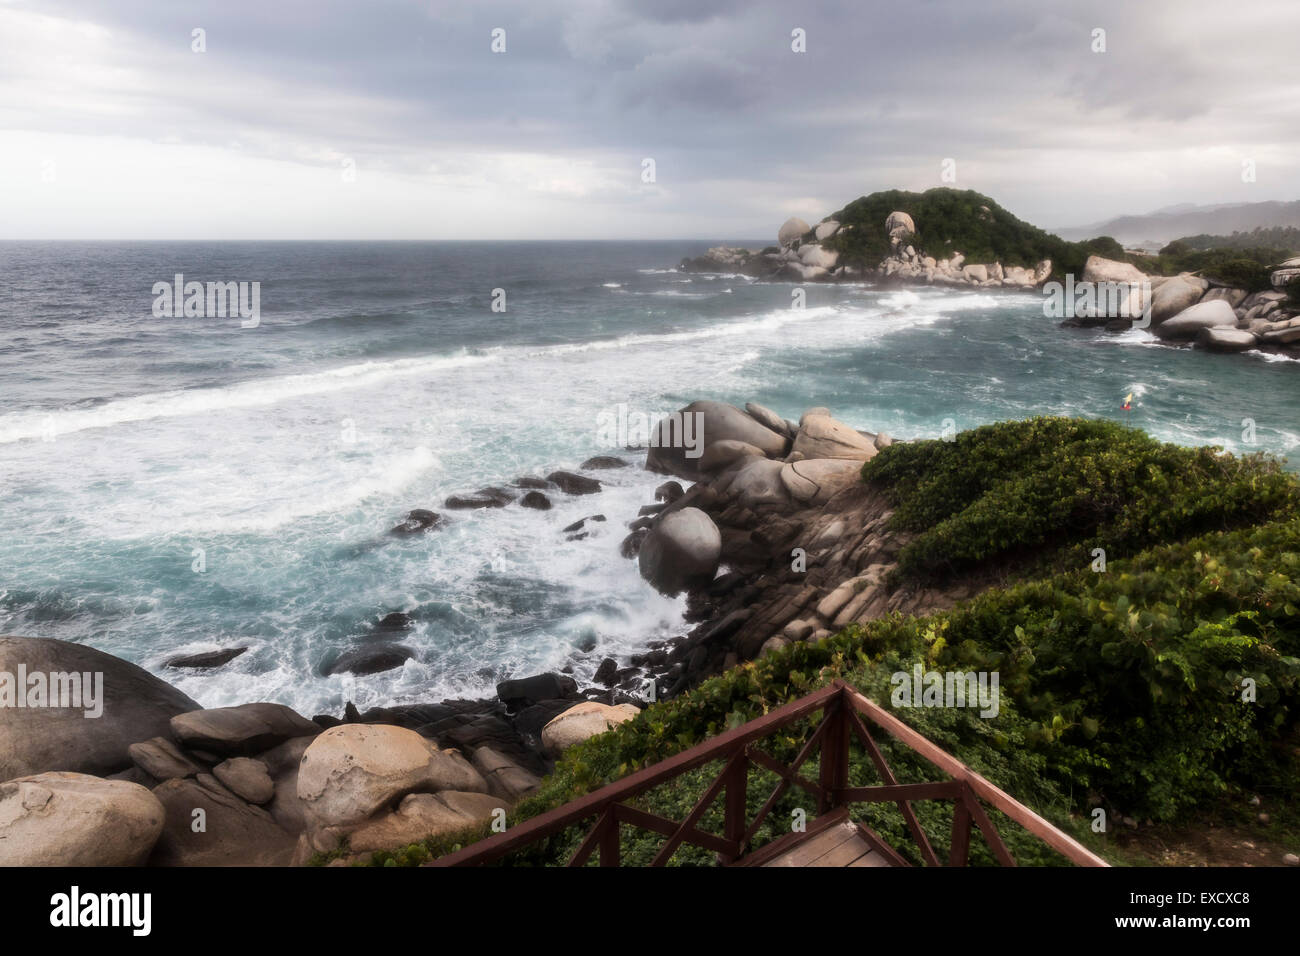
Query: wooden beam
[[1059, 841], [909, 815], [896, 793], [768, 762], [959, 850], [784, 784], [668, 849], [657, 824], [552, 821]]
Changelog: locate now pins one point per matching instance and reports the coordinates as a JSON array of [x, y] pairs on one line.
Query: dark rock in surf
[[417, 521], [206, 660], [602, 461], [371, 660], [573, 484], [536, 500], [483, 498]]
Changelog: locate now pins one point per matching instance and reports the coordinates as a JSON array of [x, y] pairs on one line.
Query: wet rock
[[602, 461], [669, 492], [573, 484], [372, 659], [631, 545], [682, 549], [395, 621], [540, 484], [536, 500], [676, 450], [607, 672], [580, 523], [206, 660], [417, 521], [483, 498], [536, 688]]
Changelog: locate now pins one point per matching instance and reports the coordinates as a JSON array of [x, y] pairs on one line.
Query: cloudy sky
[[395, 118]]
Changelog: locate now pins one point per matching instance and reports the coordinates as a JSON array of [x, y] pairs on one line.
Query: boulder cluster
[[157, 779], [1189, 308], [779, 509], [801, 255]]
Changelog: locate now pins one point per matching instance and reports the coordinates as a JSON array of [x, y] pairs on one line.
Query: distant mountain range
[[1188, 219]]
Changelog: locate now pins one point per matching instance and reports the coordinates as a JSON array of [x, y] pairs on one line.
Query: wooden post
[[959, 854], [609, 849], [735, 821], [835, 754]]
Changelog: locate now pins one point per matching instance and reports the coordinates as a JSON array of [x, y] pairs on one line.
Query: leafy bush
[[1045, 492]]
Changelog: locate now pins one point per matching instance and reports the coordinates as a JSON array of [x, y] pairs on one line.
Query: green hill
[[956, 220]]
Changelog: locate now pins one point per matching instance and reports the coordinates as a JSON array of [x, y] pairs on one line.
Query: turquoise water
[[380, 380]]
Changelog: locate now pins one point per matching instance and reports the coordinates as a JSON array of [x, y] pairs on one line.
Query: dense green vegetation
[[1242, 267], [1274, 237], [955, 220], [1156, 687], [1047, 491]]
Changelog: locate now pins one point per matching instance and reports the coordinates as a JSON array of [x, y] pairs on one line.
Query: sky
[[396, 119]]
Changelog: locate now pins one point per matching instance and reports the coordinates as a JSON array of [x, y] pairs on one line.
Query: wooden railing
[[846, 714]]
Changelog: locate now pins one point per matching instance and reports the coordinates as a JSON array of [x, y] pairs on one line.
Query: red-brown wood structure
[[845, 716]]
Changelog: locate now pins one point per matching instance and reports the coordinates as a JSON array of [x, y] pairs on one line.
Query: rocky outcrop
[[805, 550], [811, 255], [135, 706], [379, 786], [1204, 315], [582, 722], [235, 731], [73, 819], [678, 444], [681, 550]]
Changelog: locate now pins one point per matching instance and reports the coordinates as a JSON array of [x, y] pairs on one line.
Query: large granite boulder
[[353, 770], [73, 819], [208, 825], [1176, 294], [1222, 339], [1099, 269], [682, 549], [821, 436], [815, 480], [709, 422], [240, 731], [1188, 323], [581, 722], [135, 706], [790, 230], [720, 454], [419, 815], [1286, 273], [755, 482], [898, 226]]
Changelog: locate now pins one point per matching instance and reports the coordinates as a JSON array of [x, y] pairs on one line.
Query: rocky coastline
[[776, 506], [1183, 309]]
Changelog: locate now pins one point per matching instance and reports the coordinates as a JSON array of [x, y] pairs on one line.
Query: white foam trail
[[269, 391]]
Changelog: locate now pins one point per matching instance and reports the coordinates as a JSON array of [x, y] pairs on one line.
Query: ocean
[[170, 485]]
